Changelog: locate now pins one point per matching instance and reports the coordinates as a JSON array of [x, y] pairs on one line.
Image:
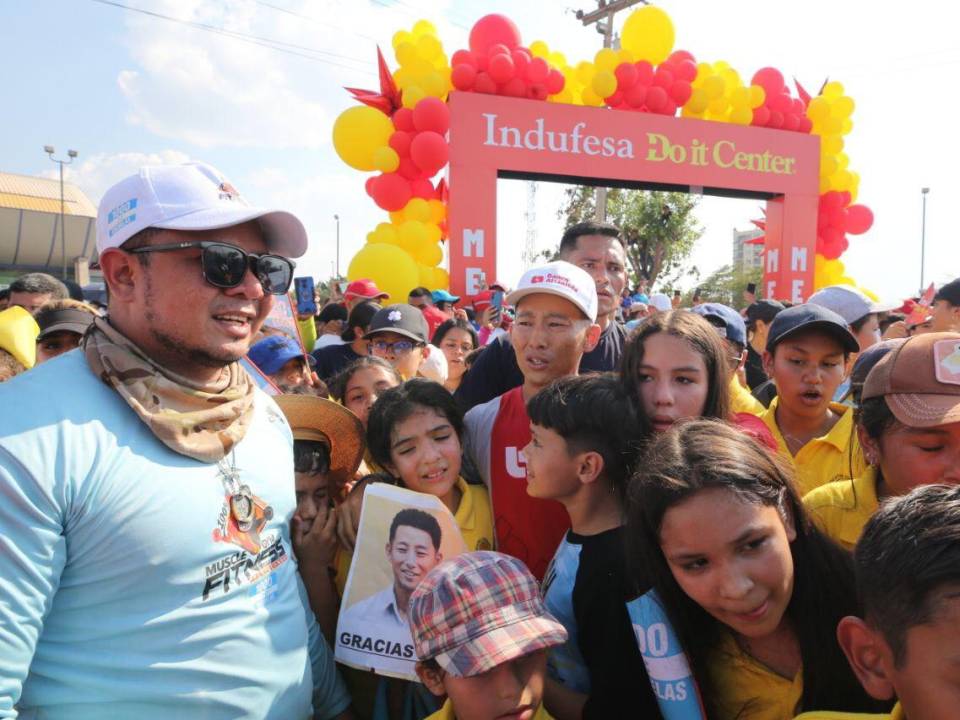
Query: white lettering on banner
[[516, 463], [797, 296], [475, 283], [773, 261], [798, 259], [473, 243], [772, 289], [575, 141]]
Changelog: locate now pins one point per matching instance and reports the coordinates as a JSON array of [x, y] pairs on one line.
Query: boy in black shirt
[[584, 441]]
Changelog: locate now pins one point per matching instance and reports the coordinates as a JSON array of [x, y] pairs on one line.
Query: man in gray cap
[[146, 483]]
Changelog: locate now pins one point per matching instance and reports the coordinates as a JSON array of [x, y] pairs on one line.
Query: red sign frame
[[493, 137]]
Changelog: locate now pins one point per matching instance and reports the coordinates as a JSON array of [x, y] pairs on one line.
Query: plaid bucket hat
[[479, 610]]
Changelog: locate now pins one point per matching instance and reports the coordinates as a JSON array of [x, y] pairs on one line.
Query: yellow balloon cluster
[[414, 231], [648, 34], [424, 68], [719, 94], [830, 113], [587, 83], [829, 272], [360, 137]]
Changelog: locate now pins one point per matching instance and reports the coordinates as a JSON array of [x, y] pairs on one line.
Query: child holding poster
[[753, 590]]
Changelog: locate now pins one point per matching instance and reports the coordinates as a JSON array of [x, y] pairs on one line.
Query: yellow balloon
[[428, 46], [604, 83], [390, 267], [397, 218], [606, 59], [424, 27], [406, 53], [585, 72], [400, 37], [433, 233], [441, 279], [832, 90], [538, 48], [428, 253], [385, 159], [714, 86], [741, 115], [438, 211], [434, 84], [818, 109], [842, 107], [358, 133], [412, 95], [757, 96], [698, 101], [411, 234], [648, 34], [591, 98], [417, 209], [740, 97], [426, 275]]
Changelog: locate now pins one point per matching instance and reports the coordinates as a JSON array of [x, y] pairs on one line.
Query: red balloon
[[482, 61], [515, 87], [680, 92], [400, 142], [657, 99], [485, 84], [644, 73], [521, 59], [806, 124], [430, 152], [408, 168], [492, 30], [615, 100], [555, 81], [626, 76], [678, 56], [538, 70], [431, 113], [461, 57], [403, 120], [537, 91], [391, 192], [370, 184], [498, 49], [781, 102], [663, 78], [770, 79], [776, 120], [670, 108], [859, 219], [501, 68], [636, 96], [463, 76], [791, 122], [686, 70], [798, 107], [423, 188], [761, 116]]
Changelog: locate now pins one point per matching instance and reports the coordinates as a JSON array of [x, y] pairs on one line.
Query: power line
[[278, 45], [318, 21]]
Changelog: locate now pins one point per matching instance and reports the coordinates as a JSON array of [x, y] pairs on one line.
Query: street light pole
[[337, 218], [71, 154], [923, 236]]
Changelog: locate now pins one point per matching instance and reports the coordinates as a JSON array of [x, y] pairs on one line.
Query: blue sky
[[125, 89]]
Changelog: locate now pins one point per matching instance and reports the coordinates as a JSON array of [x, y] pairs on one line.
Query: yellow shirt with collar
[[746, 689], [742, 400], [841, 509], [823, 459], [447, 713], [474, 517], [895, 714]]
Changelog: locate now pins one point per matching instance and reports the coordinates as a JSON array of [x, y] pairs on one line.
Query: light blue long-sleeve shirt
[[124, 589]]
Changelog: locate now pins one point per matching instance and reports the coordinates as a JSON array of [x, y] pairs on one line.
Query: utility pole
[[71, 154], [923, 237], [603, 17]]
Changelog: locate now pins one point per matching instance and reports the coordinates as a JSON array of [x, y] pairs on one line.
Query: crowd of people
[[181, 487]]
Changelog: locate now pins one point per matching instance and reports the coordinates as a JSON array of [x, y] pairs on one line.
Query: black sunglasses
[[225, 265]]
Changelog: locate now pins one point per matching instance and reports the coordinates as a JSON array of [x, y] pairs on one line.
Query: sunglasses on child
[[225, 265]]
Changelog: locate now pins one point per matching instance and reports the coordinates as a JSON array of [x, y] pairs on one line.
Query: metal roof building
[[30, 237]]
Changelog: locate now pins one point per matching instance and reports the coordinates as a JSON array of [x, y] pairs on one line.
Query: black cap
[[765, 310], [333, 311], [811, 317], [359, 317], [402, 319], [949, 292]]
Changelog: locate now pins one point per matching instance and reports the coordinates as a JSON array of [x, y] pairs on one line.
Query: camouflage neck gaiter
[[197, 421]]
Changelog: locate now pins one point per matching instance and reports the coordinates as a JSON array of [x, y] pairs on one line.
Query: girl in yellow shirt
[[753, 589]]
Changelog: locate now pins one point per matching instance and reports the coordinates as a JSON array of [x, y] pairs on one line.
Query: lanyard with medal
[[241, 499]]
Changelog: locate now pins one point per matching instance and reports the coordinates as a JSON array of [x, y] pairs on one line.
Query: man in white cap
[[146, 484], [556, 324]]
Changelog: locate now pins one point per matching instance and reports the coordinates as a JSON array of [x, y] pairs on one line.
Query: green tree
[[726, 285], [660, 228]]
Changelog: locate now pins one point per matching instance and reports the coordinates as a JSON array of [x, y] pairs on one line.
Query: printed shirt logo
[[227, 530], [947, 358]]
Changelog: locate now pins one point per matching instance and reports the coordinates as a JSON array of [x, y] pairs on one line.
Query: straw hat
[[322, 420]]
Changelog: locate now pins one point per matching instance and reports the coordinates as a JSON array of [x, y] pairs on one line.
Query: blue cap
[[811, 317], [641, 297], [272, 353], [444, 296], [736, 329]]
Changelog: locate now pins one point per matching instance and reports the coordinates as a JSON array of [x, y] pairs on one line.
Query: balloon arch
[[499, 109]]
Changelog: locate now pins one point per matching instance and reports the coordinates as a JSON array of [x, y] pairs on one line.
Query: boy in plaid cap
[[481, 632]]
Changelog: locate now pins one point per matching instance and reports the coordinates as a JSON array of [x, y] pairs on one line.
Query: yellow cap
[[18, 335]]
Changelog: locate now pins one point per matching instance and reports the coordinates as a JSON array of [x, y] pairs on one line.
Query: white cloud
[[96, 173]]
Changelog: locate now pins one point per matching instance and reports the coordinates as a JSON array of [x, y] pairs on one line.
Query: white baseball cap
[[848, 302], [562, 279], [193, 196], [661, 302]]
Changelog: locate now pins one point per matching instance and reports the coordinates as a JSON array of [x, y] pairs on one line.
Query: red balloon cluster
[[497, 64], [420, 142], [780, 110], [662, 90], [835, 219]]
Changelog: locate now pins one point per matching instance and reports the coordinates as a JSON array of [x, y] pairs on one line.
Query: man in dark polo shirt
[[596, 248]]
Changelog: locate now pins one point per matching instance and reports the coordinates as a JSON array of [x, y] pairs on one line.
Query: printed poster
[[402, 536]]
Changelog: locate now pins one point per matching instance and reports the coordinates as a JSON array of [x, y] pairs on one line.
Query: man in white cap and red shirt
[[556, 324], [146, 484]]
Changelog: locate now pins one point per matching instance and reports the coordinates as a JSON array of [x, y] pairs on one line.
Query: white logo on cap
[[394, 316], [947, 358]]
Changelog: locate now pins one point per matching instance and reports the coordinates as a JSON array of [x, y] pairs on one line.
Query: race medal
[[241, 508]]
